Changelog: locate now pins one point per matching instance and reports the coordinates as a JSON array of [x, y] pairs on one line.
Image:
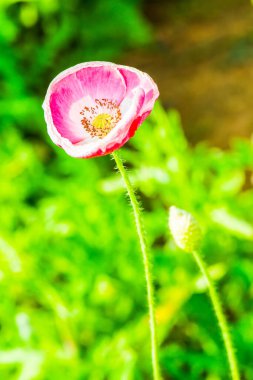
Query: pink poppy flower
[[93, 108]]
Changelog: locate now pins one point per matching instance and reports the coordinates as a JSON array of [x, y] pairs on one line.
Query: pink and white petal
[[67, 78], [68, 89], [130, 110], [118, 136], [151, 93], [73, 69], [132, 78], [102, 82], [148, 84], [96, 80], [150, 98], [60, 119], [131, 131]]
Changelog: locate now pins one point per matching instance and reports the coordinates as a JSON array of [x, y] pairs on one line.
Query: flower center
[[100, 119], [103, 121]]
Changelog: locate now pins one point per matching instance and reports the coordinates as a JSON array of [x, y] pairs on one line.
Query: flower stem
[[146, 263], [220, 316]]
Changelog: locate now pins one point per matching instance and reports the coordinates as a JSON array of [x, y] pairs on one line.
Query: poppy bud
[[184, 229]]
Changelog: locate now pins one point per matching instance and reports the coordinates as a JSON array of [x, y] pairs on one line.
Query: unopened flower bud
[[184, 229]]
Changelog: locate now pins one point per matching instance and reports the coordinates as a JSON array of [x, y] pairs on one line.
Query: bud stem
[[220, 317], [146, 263]]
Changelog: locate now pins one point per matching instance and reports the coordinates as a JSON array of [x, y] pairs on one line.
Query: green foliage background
[[71, 278]]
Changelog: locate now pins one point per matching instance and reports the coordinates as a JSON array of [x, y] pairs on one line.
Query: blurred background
[[71, 278]]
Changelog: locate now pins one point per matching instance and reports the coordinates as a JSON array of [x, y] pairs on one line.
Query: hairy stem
[[146, 263], [220, 316]]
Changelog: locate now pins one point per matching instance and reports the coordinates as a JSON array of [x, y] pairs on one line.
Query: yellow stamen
[[102, 121]]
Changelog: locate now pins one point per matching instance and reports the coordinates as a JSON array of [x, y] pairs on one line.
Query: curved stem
[[220, 316], [146, 263]]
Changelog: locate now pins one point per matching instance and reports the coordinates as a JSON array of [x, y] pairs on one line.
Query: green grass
[[71, 280]]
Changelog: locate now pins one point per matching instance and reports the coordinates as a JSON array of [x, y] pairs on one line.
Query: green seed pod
[[184, 229]]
